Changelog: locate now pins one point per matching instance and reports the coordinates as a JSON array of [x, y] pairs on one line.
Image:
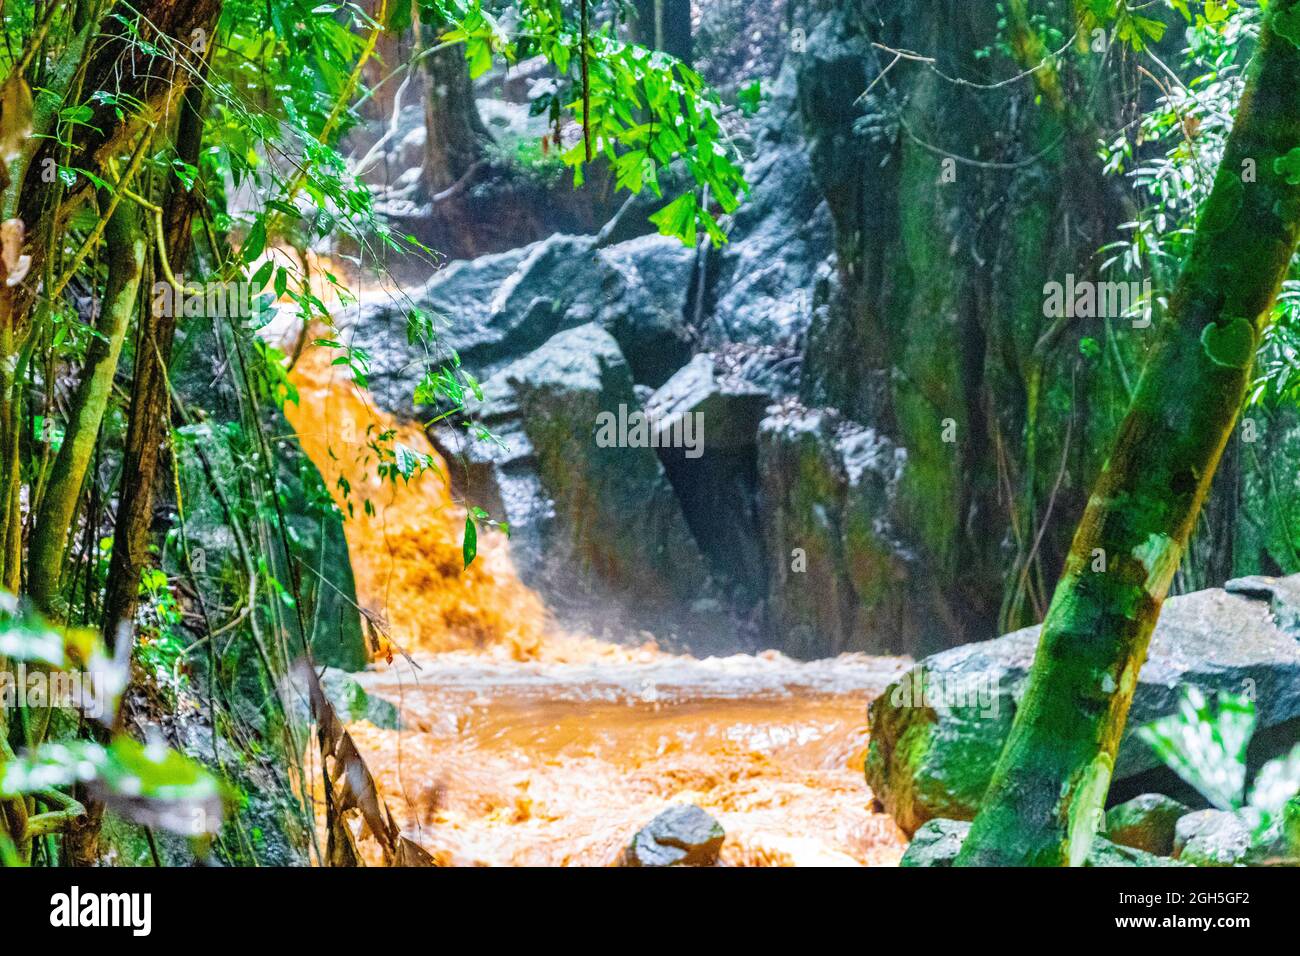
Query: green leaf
[[469, 546], [255, 242], [97, 181], [150, 784], [76, 114], [677, 219], [406, 459], [263, 275], [1152, 28], [1288, 167], [1206, 746], [1231, 345], [479, 54]]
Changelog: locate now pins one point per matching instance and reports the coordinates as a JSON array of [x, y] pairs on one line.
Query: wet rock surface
[[497, 309], [715, 478], [938, 841], [1212, 838], [562, 486], [838, 577], [850, 281], [938, 732], [1146, 823], [680, 836]]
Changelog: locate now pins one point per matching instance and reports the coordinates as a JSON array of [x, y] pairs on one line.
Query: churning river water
[[524, 744]]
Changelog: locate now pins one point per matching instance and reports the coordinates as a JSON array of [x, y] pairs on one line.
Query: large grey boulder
[[715, 478], [763, 279], [731, 407], [1213, 838], [646, 287], [496, 309], [579, 507], [937, 733]]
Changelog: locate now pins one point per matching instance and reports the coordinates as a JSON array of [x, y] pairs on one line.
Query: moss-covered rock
[[1146, 823], [1106, 854], [1212, 838], [717, 483], [936, 843], [936, 734]]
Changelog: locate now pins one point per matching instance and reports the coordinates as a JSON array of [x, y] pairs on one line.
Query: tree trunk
[[664, 25], [148, 427], [1048, 790], [125, 246], [456, 137]]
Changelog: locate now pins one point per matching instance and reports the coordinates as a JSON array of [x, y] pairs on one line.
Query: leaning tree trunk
[[124, 246], [1048, 790]]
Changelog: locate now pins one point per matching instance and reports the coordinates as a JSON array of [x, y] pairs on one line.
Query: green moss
[[1288, 167], [1224, 204]]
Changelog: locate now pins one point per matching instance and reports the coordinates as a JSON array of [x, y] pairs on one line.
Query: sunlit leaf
[[148, 783]]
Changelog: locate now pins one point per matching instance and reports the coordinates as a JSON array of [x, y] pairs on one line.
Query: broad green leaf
[[469, 547], [1206, 746], [255, 242], [406, 459], [1276, 782], [678, 218], [1231, 345], [148, 783]]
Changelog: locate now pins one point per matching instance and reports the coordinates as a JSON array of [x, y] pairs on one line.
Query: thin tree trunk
[[664, 25], [1048, 790], [10, 465], [125, 246], [455, 135], [148, 426]]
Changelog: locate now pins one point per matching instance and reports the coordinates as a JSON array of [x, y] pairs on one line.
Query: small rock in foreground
[[1146, 823], [938, 841], [680, 836]]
